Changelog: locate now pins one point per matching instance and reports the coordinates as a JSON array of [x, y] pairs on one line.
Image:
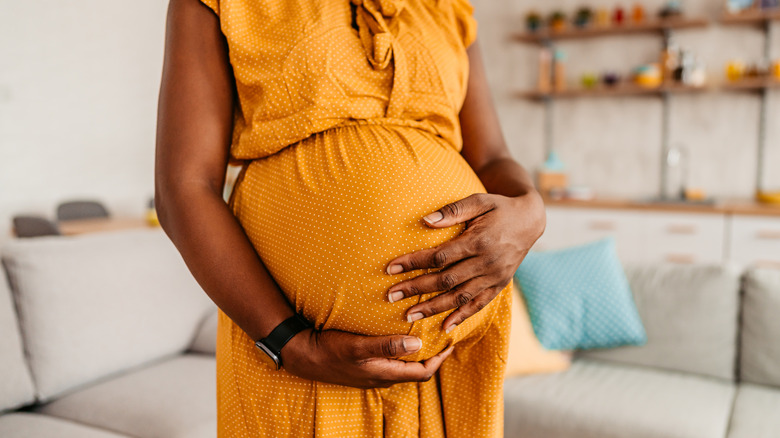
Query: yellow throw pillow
[[526, 354]]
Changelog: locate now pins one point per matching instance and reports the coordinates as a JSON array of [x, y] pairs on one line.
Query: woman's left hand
[[478, 263]]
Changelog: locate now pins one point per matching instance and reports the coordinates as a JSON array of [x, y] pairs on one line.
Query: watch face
[[268, 357]]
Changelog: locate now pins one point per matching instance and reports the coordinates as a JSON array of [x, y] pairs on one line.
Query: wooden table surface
[[93, 225]]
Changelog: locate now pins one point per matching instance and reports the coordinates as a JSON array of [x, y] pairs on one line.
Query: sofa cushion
[[206, 337], [95, 304], [16, 386], [761, 327], [526, 354], [579, 298], [755, 412], [172, 398], [30, 425], [690, 314], [602, 400]]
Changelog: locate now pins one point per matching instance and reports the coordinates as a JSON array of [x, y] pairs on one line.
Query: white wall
[[79, 82], [78, 98]]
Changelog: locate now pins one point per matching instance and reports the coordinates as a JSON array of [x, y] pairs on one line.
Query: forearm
[[222, 259], [505, 176]]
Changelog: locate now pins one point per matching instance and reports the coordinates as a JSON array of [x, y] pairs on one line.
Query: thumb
[[460, 211], [389, 346]]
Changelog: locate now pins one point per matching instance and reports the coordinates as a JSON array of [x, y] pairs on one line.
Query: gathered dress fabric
[[347, 130]]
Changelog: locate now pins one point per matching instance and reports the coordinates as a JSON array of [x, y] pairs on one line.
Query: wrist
[[298, 347], [273, 344], [531, 205]]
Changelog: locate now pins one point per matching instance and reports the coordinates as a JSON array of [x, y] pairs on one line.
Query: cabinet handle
[[768, 234], [681, 258], [681, 229], [602, 225]]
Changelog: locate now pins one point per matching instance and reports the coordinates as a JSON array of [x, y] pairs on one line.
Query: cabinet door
[[575, 226], [684, 237], [755, 240]]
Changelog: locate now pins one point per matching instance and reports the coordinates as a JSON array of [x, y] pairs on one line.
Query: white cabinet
[[573, 226], [640, 235], [684, 237], [755, 240]]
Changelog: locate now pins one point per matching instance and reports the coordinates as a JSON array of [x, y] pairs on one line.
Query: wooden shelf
[[603, 91], [593, 31], [753, 16], [752, 84]]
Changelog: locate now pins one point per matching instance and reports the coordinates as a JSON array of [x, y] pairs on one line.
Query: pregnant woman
[[362, 266]]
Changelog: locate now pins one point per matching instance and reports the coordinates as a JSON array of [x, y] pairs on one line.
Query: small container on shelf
[[776, 70], [737, 6], [648, 76], [589, 81], [735, 70], [602, 17], [638, 13], [672, 9], [619, 15], [557, 21], [583, 17], [552, 179], [533, 21], [610, 79]]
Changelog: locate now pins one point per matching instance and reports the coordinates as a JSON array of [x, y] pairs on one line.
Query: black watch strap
[[284, 332]]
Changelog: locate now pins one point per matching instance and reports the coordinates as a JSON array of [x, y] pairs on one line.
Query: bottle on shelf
[[544, 81], [669, 61], [559, 70]]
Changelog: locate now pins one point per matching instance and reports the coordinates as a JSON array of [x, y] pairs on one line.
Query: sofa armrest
[[205, 340]]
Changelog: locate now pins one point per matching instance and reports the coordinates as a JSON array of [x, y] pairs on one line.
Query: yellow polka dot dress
[[347, 129]]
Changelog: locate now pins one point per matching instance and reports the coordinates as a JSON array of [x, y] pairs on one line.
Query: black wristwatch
[[279, 336]]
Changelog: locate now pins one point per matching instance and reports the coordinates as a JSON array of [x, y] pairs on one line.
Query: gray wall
[[613, 144]]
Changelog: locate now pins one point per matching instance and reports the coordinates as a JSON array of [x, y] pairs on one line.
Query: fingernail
[[412, 344], [395, 269], [414, 317], [434, 217], [395, 296], [450, 328]]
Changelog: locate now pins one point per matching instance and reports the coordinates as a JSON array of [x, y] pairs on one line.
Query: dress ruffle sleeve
[[467, 24], [213, 4]]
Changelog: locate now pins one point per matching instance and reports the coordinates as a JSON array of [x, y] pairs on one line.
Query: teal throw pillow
[[579, 298]]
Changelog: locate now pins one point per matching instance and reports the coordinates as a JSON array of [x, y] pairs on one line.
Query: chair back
[[81, 210], [34, 226]]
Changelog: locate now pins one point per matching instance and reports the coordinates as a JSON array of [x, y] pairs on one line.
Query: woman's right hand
[[348, 359]]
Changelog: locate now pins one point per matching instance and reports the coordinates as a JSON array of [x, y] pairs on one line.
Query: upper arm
[[483, 140], [195, 107]]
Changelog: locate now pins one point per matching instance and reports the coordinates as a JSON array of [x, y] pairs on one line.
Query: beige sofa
[[104, 335], [710, 368], [107, 335]]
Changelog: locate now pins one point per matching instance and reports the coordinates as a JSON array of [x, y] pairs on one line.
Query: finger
[[475, 305], [397, 371], [457, 297], [440, 256], [460, 211], [368, 347], [443, 280]]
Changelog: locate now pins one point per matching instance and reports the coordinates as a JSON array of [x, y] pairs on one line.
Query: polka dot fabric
[[348, 131]]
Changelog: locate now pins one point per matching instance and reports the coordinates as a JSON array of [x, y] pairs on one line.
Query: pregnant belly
[[327, 214]]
